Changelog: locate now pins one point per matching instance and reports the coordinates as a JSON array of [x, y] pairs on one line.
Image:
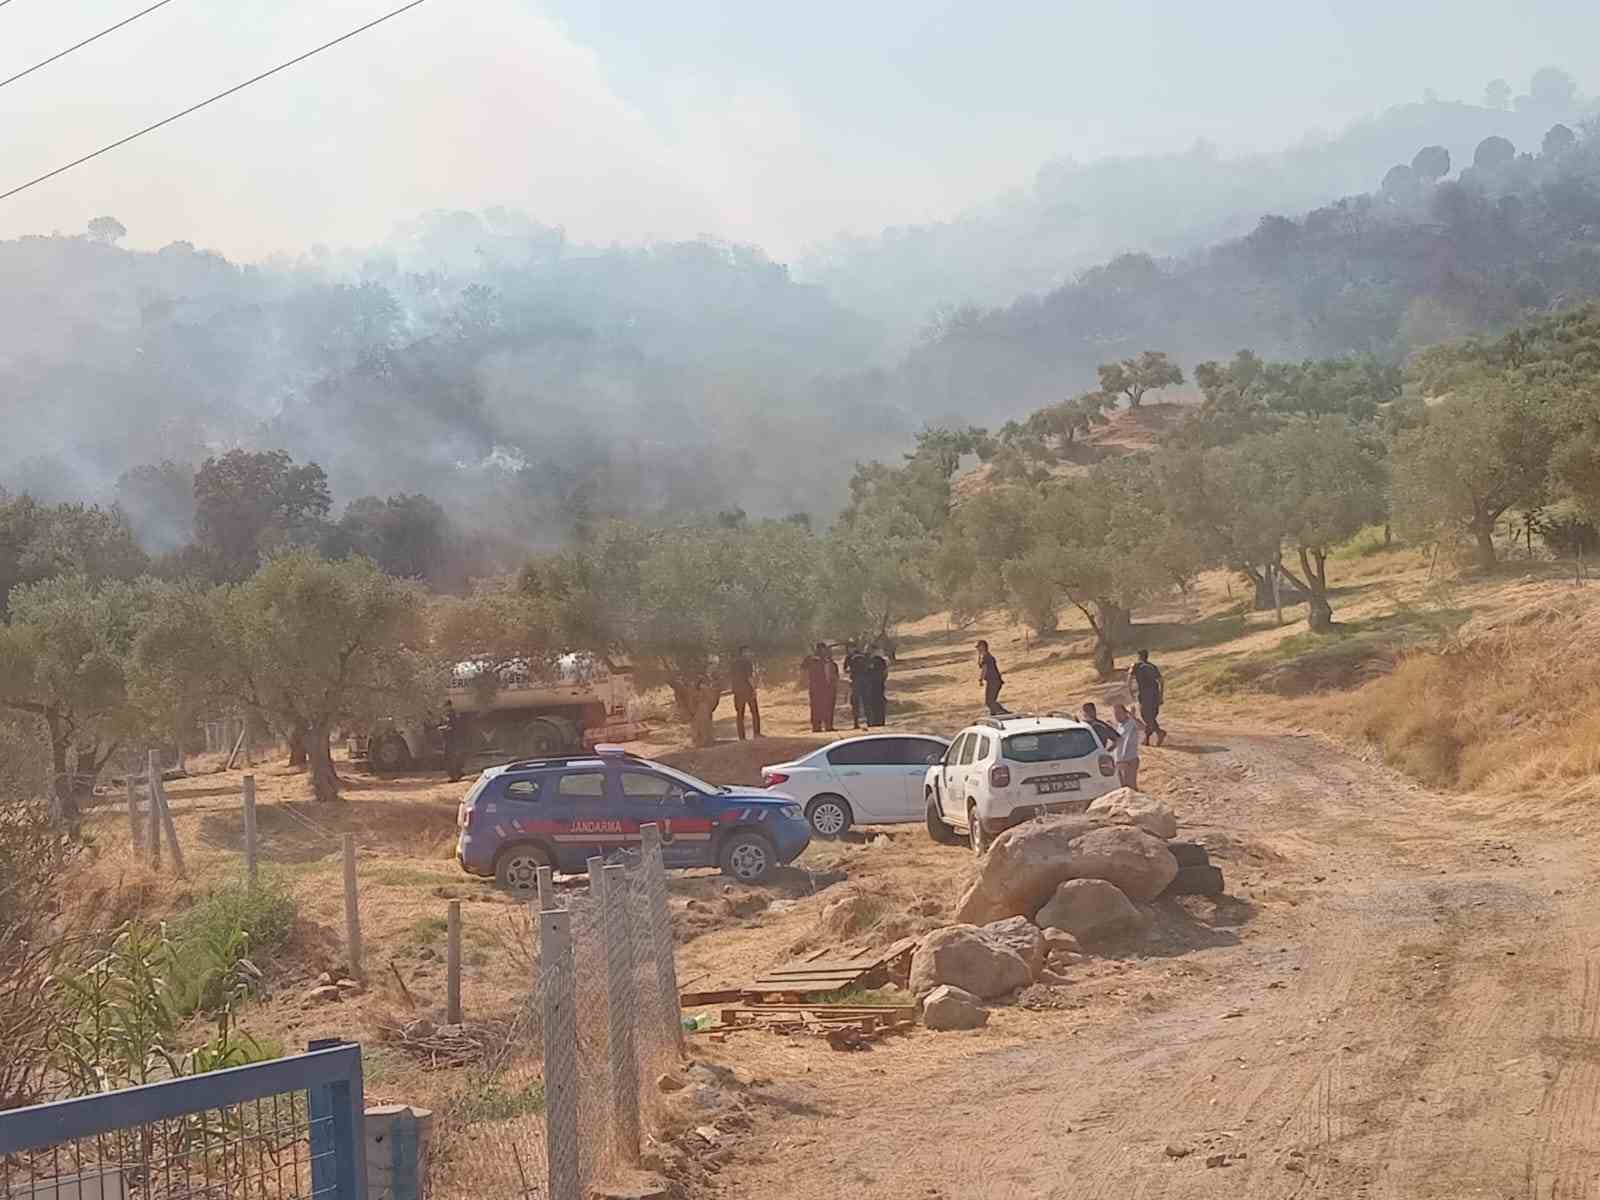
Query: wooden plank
[[701, 999]]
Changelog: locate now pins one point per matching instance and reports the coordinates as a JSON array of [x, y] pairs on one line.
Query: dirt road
[[1415, 1013]]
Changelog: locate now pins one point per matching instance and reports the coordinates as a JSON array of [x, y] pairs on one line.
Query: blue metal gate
[[289, 1129]]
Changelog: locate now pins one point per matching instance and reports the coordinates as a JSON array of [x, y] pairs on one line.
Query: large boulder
[[952, 1008], [1028, 862], [1137, 862], [1022, 869], [1128, 807], [1023, 936], [965, 956], [1091, 910]]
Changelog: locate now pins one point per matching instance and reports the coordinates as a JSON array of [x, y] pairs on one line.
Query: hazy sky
[[777, 123]]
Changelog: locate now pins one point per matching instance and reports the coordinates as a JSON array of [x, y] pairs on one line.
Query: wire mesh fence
[[604, 1011]]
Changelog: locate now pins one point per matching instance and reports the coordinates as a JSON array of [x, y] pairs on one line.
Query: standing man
[[1146, 683], [1127, 752], [855, 663], [450, 735], [989, 675], [875, 694], [742, 679], [1106, 732], [822, 686]]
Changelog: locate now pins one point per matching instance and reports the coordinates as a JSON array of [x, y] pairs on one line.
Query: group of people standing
[[865, 670], [1145, 682], [867, 673]]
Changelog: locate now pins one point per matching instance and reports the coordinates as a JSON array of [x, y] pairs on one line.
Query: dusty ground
[[1400, 997], [1402, 1002]]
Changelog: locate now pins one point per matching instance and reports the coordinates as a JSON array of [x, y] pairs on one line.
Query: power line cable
[[238, 87], [85, 42]]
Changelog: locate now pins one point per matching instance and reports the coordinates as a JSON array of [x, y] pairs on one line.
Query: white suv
[[1004, 770]]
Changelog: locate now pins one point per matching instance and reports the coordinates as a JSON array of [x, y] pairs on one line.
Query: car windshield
[[1049, 745], [688, 781]]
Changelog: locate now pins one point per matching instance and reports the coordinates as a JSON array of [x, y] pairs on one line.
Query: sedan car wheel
[[829, 816]]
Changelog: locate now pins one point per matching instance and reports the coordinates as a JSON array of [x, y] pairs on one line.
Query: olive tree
[[1325, 482], [64, 661], [307, 643], [679, 602]]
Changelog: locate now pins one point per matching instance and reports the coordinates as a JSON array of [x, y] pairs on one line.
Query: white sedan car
[[871, 780]]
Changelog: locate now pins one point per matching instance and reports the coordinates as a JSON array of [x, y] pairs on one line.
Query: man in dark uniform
[[450, 734], [875, 695], [1146, 683], [855, 670], [742, 678], [989, 675]]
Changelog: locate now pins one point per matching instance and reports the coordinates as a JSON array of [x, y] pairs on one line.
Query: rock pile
[[1045, 890]]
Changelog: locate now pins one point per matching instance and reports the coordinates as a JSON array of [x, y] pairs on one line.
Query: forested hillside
[[1073, 215], [483, 360], [1439, 250]]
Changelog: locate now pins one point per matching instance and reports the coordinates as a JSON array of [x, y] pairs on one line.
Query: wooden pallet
[[831, 970]]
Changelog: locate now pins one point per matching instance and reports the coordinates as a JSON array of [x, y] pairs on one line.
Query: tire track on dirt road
[[1426, 1026]]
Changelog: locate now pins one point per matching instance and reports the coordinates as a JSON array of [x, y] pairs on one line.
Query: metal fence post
[[660, 933], [558, 986], [338, 1136], [621, 994]]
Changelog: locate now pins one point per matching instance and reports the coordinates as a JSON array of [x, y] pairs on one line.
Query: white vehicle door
[[918, 754], [871, 776], [957, 765], [947, 781]]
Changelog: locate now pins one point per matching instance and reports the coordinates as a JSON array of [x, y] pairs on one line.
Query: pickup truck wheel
[[748, 857], [979, 840], [937, 829], [517, 868], [389, 753]]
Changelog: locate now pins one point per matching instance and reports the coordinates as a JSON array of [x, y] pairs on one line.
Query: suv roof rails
[[995, 722], [562, 760]]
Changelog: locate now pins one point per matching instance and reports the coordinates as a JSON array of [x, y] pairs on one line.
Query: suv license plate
[[1046, 786]]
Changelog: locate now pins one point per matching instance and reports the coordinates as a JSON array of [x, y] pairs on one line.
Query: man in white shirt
[[1129, 731]]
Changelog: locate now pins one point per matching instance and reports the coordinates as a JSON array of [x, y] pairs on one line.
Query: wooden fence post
[[135, 828], [250, 850], [352, 909], [169, 829], [452, 959], [153, 775]]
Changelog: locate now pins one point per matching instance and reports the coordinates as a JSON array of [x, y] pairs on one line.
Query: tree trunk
[[1319, 613], [1483, 554], [1105, 639], [1388, 535], [324, 779], [1119, 621], [1261, 584], [700, 701], [1105, 657], [297, 747]]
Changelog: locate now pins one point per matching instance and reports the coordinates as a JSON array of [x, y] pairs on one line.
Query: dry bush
[[32, 950], [1513, 703]]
